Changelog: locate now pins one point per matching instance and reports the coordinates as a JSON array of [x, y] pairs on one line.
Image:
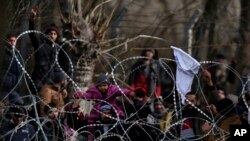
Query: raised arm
[[207, 77], [88, 95], [33, 36], [120, 91]]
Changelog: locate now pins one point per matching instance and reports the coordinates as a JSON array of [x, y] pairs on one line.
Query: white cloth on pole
[[187, 67]]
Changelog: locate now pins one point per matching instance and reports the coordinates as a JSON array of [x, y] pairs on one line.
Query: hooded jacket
[[110, 97]]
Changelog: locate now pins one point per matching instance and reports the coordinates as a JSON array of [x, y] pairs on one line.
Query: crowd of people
[[149, 109]]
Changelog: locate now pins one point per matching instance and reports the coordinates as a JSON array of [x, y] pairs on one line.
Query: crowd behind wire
[[150, 108]]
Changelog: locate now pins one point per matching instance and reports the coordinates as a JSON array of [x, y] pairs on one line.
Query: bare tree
[[88, 22], [94, 28]]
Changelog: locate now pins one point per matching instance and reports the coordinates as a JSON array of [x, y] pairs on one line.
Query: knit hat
[[102, 78], [158, 100], [53, 27], [17, 110], [58, 76], [105, 107]]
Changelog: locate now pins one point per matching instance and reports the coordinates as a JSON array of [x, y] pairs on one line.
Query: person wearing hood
[[107, 128], [158, 110], [102, 91]]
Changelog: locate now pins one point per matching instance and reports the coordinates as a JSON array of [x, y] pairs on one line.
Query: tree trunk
[[243, 55], [205, 26], [76, 25]]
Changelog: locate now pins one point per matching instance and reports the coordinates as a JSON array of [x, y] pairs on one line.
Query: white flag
[[187, 67]]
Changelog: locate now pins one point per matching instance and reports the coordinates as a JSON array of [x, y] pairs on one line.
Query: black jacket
[[12, 68], [45, 57]]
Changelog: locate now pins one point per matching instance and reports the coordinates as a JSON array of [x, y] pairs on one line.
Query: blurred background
[[123, 28]]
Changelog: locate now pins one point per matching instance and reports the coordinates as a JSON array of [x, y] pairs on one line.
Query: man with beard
[[190, 128], [107, 128], [158, 110]]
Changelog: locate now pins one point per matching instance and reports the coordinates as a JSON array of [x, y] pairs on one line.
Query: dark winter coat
[[45, 58], [108, 131], [22, 133], [53, 130], [13, 70]]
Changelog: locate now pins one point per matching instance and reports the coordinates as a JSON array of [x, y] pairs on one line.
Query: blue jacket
[[22, 133]]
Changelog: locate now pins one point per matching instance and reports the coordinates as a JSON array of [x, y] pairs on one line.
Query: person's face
[[221, 94], [103, 88], [192, 99], [105, 115], [53, 35], [159, 107], [12, 41], [149, 54], [64, 83], [53, 113], [17, 119]]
